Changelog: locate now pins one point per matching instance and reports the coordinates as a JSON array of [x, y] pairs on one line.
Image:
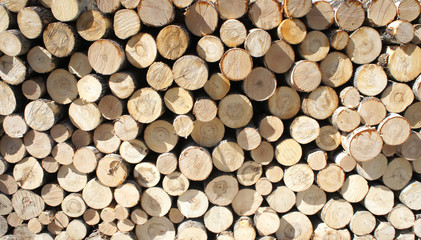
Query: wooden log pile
[[210, 119]]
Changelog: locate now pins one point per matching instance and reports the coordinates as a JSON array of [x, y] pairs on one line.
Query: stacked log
[[210, 119]]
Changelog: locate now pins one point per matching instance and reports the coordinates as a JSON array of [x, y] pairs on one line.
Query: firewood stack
[[210, 119]]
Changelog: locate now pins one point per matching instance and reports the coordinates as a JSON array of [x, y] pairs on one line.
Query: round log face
[[210, 119]]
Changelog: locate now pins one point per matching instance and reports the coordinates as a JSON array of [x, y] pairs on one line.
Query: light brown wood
[[304, 129], [321, 103], [210, 48], [266, 221], [85, 159], [146, 174], [384, 230], [397, 134], [63, 153], [105, 139], [400, 72], [127, 194], [299, 177], [183, 125], [46, 217], [266, 14], [178, 100], [60, 39], [407, 151], [50, 165], [4, 166], [232, 9], [274, 173], [235, 110], [160, 136], [133, 151], [156, 202], [166, 163], [288, 152], [126, 128], [233, 33], [401, 217], [52, 194], [397, 97], [13, 43], [111, 107], [85, 116], [345, 161], [124, 226], [69, 10], [106, 56], [363, 144], [96, 195], [7, 207], [248, 138], [91, 217], [73, 205], [76, 229], [380, 13], [408, 195], [141, 50], [249, 173], [320, 16], [271, 128], [362, 223], [32, 21], [348, 15], [398, 174], [41, 60], [28, 173], [364, 53], [195, 163], [350, 97], [354, 189], [156, 13], [126, 23], [398, 32], [373, 169], [339, 39], [122, 84], [12, 149], [217, 86], [70, 179], [79, 64], [61, 132], [15, 126], [236, 64], [310, 201], [221, 190], [263, 186], [345, 119], [139, 217], [175, 184], [296, 8], [317, 159], [336, 69], [337, 213], [379, 200], [190, 72], [111, 170], [34, 89], [260, 84], [411, 114], [331, 178], [107, 214], [282, 199], [27, 204], [322, 230], [13, 71], [62, 86], [8, 99], [93, 25], [407, 9], [257, 42], [191, 229], [218, 219], [243, 229], [208, 134], [14, 220], [107, 228], [292, 31], [182, 3], [315, 46], [246, 202], [372, 111], [300, 224], [172, 41], [201, 18], [159, 76], [279, 57], [145, 105], [7, 19], [152, 229]]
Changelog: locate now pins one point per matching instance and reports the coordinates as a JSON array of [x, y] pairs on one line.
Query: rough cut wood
[[7, 19], [32, 21], [399, 32], [208, 134], [363, 144], [15, 126], [60, 39], [14, 43], [152, 228], [315, 46], [195, 163], [300, 224], [407, 9], [233, 33], [310, 201], [107, 6], [379, 200], [339, 39], [96, 195], [218, 219], [304, 76], [210, 48], [145, 105], [380, 13], [106, 56], [235, 110], [34, 89], [345, 119], [178, 3], [299, 177], [93, 25], [337, 213], [27, 204], [201, 18], [320, 103], [288, 152], [156, 13], [361, 53], [69, 10], [183, 125], [279, 57], [257, 42], [349, 15], [28, 174], [172, 41], [317, 159], [190, 72], [266, 14], [249, 173], [397, 97], [243, 229], [8, 100], [372, 111], [236, 64], [304, 129], [222, 190], [403, 72], [246, 202], [320, 16], [336, 69], [13, 71], [232, 9], [362, 223], [126, 23]]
